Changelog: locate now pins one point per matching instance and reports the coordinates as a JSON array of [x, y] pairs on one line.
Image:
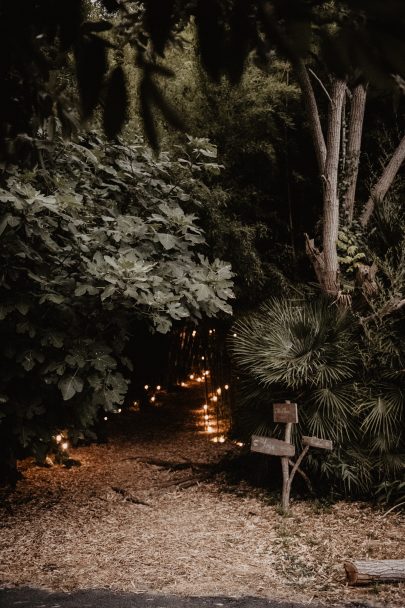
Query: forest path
[[125, 521]]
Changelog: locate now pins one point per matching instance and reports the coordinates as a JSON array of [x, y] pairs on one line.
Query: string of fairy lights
[[212, 415]]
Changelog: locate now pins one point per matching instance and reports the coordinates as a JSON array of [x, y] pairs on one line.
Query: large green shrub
[[94, 236], [310, 351]]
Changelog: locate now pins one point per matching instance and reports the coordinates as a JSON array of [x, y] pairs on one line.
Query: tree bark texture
[[383, 184], [358, 105], [311, 106], [330, 195], [365, 572]]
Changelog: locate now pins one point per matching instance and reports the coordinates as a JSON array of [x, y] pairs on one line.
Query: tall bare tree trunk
[[330, 196], [358, 105], [312, 111], [385, 181]]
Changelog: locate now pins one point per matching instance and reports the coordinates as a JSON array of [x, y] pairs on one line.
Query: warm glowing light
[[240, 444], [191, 376], [153, 399], [206, 417], [58, 438], [207, 372], [183, 384], [119, 410], [219, 391], [214, 440], [202, 358], [210, 332], [105, 418], [205, 406], [234, 335], [158, 387], [226, 387], [221, 439], [210, 429], [65, 445], [194, 333], [146, 387], [214, 398]]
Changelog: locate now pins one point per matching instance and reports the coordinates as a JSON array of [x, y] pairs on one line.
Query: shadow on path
[[26, 597]]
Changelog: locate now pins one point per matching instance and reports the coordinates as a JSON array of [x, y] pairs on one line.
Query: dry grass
[[66, 529]]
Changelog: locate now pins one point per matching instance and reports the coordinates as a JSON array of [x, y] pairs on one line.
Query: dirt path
[[119, 522]]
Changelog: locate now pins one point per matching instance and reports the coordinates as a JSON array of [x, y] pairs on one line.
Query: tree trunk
[[312, 112], [381, 187], [358, 105], [330, 281], [364, 572]]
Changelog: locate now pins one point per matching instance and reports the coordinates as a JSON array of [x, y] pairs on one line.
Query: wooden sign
[[315, 442], [285, 412], [273, 447]]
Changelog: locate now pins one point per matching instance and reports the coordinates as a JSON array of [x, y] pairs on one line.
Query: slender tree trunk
[[312, 111], [330, 197], [385, 181], [358, 105]]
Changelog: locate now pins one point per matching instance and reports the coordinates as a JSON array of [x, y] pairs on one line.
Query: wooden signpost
[[287, 413], [272, 447], [315, 442]]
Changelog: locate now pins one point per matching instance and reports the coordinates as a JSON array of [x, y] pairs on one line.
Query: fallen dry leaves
[[82, 527]]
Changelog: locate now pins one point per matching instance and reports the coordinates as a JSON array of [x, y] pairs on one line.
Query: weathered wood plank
[[369, 571], [316, 442], [273, 447], [285, 412]]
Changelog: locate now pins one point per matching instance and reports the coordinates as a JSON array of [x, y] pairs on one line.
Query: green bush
[[94, 236], [311, 351]]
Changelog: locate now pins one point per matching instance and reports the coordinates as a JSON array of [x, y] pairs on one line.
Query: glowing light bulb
[[119, 410], [194, 333], [235, 335], [207, 372], [205, 406], [191, 376], [198, 379], [183, 384], [210, 332], [158, 387], [105, 418], [202, 358], [219, 391], [146, 387], [226, 387], [221, 439], [65, 445], [153, 399], [210, 429], [214, 398], [206, 417], [240, 444], [58, 438]]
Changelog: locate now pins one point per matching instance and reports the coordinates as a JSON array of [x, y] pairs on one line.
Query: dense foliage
[[38, 39], [94, 236], [344, 367]]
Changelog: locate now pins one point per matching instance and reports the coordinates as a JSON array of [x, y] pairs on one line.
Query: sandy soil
[[123, 523]]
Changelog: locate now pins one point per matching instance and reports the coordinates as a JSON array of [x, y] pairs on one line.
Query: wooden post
[[287, 413], [285, 495]]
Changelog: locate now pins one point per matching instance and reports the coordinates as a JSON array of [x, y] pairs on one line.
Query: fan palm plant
[[310, 351]]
